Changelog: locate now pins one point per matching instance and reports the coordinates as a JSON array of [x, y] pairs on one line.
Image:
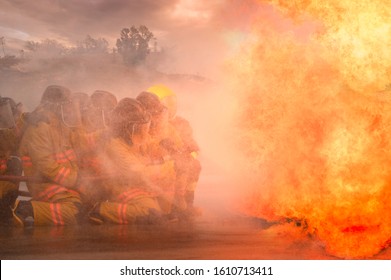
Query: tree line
[[134, 46]]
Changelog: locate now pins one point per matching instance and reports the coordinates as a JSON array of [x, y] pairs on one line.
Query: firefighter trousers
[[61, 209], [137, 210]]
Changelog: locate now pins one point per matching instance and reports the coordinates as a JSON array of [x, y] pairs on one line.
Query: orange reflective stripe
[[70, 155], [60, 158], [49, 192], [62, 174], [63, 157], [27, 161], [73, 192], [120, 213], [59, 175], [53, 212], [59, 213], [3, 164], [55, 209], [124, 208], [46, 192], [66, 173], [129, 195]]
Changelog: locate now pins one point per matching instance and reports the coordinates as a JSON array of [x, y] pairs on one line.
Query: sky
[[196, 31]]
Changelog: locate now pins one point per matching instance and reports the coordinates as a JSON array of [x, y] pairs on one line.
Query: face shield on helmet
[[130, 121], [138, 125], [99, 113], [7, 120], [139, 130], [62, 103], [70, 113], [94, 118], [158, 111]]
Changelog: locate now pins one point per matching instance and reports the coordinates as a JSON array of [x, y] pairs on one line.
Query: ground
[[217, 234]]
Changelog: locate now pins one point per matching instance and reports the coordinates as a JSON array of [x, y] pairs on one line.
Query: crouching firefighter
[[185, 152], [133, 197], [11, 127], [157, 154], [90, 140], [48, 156]]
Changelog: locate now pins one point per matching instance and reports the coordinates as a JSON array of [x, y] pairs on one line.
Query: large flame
[[315, 121]]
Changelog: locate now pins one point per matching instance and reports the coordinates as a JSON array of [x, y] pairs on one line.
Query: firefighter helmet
[[151, 103], [104, 100], [55, 94], [6, 112], [167, 97], [126, 116], [99, 113], [61, 102]]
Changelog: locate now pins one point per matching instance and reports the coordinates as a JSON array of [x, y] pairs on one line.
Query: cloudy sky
[[195, 29]]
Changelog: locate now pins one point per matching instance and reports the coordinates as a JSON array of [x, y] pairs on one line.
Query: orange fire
[[315, 121]]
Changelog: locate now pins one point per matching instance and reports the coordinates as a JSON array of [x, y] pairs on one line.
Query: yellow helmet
[[166, 96]]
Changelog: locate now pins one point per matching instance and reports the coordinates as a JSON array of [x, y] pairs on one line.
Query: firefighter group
[[95, 159]]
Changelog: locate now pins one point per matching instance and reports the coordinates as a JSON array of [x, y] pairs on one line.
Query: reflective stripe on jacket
[[46, 153]]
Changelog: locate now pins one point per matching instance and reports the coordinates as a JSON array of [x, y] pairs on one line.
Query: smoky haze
[[197, 37]]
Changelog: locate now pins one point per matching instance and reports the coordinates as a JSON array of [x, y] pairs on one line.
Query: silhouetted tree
[[48, 46], [90, 44], [134, 44]]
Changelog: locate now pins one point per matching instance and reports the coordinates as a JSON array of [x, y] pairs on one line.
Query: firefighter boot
[[95, 216], [23, 214], [5, 207]]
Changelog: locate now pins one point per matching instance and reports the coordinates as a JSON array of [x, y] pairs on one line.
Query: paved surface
[[222, 239], [205, 239], [217, 234]]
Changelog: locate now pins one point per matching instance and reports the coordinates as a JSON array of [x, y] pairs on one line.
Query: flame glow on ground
[[315, 121]]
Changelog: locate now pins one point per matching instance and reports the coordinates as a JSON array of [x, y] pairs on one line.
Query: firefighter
[[161, 132], [49, 157], [185, 151], [131, 179], [92, 136], [91, 139], [11, 128], [99, 113], [84, 101]]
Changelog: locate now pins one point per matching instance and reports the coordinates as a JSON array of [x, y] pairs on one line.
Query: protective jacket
[[47, 154], [190, 150], [9, 165], [89, 147], [134, 183], [183, 128], [8, 144]]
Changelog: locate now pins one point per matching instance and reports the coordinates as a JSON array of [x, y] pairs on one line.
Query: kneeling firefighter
[[11, 129], [89, 142], [49, 157], [132, 181], [185, 151]]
